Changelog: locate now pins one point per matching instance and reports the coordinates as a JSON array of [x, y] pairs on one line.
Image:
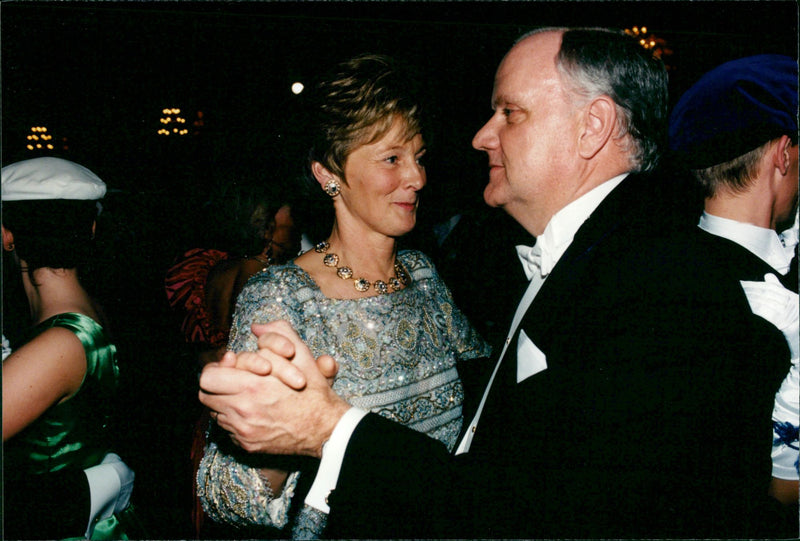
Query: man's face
[[531, 138]]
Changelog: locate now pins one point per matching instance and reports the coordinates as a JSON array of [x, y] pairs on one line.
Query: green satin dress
[[74, 433]]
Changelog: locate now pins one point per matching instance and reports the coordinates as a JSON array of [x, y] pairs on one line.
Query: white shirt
[[764, 243], [553, 242]]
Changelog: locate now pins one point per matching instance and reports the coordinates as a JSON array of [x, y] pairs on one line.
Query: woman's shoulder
[[287, 274], [287, 281], [73, 321], [95, 341], [59, 347], [414, 257], [419, 265]]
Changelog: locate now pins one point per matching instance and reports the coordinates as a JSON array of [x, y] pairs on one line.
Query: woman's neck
[[55, 291], [371, 255]]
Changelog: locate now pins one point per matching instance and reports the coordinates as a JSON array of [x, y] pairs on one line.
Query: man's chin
[[491, 197]]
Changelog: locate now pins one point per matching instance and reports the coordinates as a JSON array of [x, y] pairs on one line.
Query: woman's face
[[285, 241], [383, 179]]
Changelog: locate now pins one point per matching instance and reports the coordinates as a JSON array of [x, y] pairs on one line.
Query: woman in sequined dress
[[383, 313]]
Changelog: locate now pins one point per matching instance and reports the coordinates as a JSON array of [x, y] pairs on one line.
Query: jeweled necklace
[[395, 283], [264, 259]]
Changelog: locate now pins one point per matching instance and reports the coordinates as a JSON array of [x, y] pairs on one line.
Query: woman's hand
[[273, 345], [282, 403]]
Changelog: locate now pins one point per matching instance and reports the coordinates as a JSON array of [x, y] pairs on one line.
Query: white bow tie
[[534, 260]]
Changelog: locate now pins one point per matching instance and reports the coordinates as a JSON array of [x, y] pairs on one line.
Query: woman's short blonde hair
[[358, 105]]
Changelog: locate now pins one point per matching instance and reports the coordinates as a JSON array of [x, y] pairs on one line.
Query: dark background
[[99, 74]]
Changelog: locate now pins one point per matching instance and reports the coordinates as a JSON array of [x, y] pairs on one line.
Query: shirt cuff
[[332, 458]]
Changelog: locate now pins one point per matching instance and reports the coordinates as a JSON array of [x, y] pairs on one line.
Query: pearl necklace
[[394, 283]]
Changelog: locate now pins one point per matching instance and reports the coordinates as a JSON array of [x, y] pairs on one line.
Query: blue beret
[[733, 109]]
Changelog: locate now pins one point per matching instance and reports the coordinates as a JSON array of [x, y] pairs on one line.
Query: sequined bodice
[[397, 353]]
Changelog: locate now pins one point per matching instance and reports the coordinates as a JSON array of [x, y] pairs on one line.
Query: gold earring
[[332, 188]]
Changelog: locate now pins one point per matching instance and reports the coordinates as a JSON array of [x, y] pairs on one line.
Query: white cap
[[50, 178]]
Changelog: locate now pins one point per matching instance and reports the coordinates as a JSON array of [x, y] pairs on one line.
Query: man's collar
[[764, 243], [565, 223]]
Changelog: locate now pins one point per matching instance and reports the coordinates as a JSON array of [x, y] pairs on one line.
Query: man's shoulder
[[646, 205], [733, 257]]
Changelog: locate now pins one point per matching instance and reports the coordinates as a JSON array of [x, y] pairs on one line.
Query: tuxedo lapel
[[565, 282], [513, 401]]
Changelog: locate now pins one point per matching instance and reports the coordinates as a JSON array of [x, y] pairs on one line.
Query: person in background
[[635, 388], [736, 130], [239, 232], [59, 382], [384, 312]]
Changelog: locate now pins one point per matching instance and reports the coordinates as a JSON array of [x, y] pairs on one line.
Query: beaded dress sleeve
[[229, 482]]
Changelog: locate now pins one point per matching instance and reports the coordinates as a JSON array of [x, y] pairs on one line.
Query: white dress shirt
[[552, 244]]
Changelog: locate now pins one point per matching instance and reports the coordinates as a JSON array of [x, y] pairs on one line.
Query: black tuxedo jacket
[[742, 264], [652, 418]]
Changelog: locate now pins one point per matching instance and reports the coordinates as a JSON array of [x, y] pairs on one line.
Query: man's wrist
[[333, 417], [332, 456]]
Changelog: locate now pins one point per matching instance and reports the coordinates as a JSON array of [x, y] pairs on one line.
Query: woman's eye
[[391, 159]]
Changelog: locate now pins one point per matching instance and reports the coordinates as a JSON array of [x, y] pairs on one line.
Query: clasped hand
[[277, 400], [778, 305]]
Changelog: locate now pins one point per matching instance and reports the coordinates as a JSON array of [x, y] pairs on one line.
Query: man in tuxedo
[[736, 131], [629, 400]]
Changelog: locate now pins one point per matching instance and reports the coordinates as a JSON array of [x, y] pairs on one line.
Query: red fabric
[[185, 288]]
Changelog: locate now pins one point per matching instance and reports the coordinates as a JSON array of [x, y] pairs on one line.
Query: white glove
[[778, 305], [110, 486], [6, 348]]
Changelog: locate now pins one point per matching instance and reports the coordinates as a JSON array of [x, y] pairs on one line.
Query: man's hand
[[270, 345], [262, 412]]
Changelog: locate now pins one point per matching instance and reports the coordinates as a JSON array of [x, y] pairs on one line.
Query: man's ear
[[599, 125], [782, 154], [8, 240], [322, 174]]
